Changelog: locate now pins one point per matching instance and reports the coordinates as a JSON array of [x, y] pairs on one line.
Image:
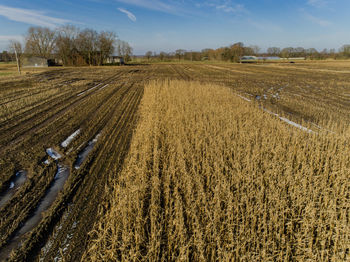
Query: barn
[[35, 61], [115, 60]]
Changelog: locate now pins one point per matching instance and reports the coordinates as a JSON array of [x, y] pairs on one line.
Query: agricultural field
[[7, 69], [194, 162]]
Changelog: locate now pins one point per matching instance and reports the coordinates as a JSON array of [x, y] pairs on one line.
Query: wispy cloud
[[155, 5], [318, 3], [317, 20], [131, 16], [32, 17], [236, 8], [11, 37], [265, 26], [5, 40], [227, 6]]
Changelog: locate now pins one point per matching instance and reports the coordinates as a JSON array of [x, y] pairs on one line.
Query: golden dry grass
[[210, 177], [9, 70]]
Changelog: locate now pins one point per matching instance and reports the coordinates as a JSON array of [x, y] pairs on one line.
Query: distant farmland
[[191, 162]]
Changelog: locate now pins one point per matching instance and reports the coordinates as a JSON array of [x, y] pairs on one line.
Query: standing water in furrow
[[69, 139], [15, 184], [85, 152], [50, 196]]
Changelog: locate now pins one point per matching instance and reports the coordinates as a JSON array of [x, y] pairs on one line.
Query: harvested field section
[[33, 141], [210, 176], [320, 98]]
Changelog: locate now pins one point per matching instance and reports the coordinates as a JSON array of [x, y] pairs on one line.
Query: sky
[[167, 25]]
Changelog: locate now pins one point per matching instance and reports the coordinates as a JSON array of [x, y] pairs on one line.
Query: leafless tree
[[236, 51], [256, 49], [148, 55], [345, 50], [299, 52], [180, 53], [40, 41], [287, 52], [124, 50], [16, 47], [106, 45], [162, 56], [87, 44], [312, 53], [66, 44], [274, 51]]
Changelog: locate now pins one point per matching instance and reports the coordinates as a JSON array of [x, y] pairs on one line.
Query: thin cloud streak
[[32, 17], [316, 20], [130, 15], [265, 26], [238, 8], [5, 40], [317, 3], [155, 5], [11, 37]]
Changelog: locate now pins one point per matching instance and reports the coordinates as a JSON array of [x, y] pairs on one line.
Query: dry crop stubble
[[212, 177]]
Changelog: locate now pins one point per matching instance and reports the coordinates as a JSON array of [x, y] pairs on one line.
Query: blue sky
[[167, 25]]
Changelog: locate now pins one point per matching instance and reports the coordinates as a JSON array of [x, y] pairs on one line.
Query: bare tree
[[236, 51], [66, 44], [332, 53], [16, 47], [87, 44], [256, 49], [287, 52], [312, 53], [148, 55], [299, 52], [162, 56], [180, 53], [124, 50], [106, 45], [345, 50], [5, 56], [40, 41], [249, 51], [274, 51]]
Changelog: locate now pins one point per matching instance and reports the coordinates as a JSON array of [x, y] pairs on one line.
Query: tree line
[[234, 52], [70, 45]]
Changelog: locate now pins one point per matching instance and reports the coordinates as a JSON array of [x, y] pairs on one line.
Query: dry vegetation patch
[[210, 176]]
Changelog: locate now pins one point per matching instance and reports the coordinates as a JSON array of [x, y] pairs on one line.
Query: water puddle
[[89, 89], [69, 139], [53, 154], [57, 185], [104, 86], [85, 152], [244, 98], [15, 184], [289, 121], [295, 125]]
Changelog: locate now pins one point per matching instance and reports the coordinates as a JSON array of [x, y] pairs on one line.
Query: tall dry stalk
[[210, 177]]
